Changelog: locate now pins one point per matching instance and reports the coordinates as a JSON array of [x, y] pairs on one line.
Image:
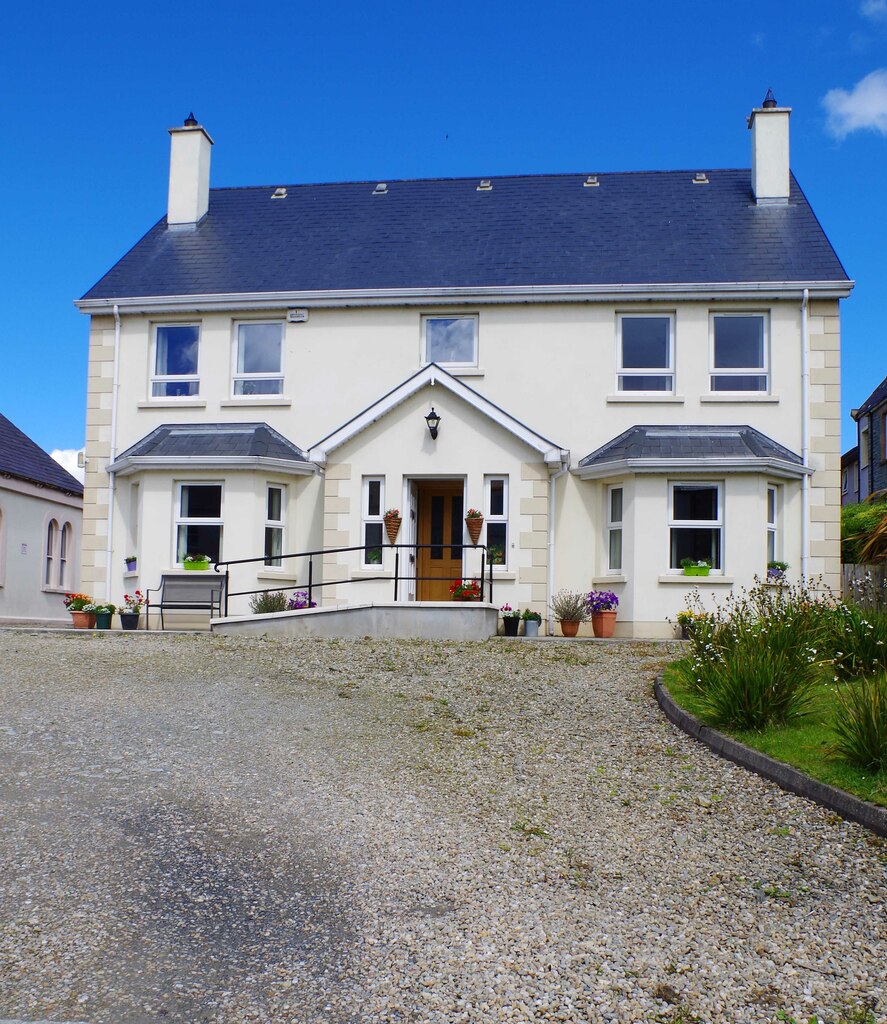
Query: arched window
[[52, 532], [64, 555]]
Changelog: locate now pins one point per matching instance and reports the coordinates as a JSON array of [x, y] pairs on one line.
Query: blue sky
[[359, 90]]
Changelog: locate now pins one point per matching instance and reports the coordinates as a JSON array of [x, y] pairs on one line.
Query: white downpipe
[[552, 506], [112, 454], [805, 435]]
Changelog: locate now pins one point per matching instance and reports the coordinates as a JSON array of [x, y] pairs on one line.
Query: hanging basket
[[475, 524], [392, 528]]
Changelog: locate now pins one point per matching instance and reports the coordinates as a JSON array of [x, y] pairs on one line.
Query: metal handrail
[[485, 576]]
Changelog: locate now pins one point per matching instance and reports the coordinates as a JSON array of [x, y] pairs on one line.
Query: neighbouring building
[[850, 476], [41, 511], [629, 369], [871, 434]]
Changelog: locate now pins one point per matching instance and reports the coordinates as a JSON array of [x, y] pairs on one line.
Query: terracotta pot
[[83, 620], [569, 628], [511, 625], [392, 528], [603, 623], [475, 525]]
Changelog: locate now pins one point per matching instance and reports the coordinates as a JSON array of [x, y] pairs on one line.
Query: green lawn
[[804, 744]]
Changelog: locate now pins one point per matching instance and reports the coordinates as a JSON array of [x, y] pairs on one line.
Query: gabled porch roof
[[433, 375]]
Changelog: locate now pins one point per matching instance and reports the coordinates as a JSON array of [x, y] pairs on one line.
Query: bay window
[[199, 521], [696, 523], [614, 529], [274, 520]]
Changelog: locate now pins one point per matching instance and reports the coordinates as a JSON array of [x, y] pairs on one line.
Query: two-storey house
[[625, 370]]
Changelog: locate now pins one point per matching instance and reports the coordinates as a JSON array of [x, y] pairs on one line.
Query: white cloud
[[67, 458], [873, 8], [864, 106]]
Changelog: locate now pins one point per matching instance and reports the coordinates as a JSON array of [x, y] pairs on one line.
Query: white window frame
[[740, 371], [495, 519], [865, 444], [66, 537], [845, 480], [50, 553], [697, 524], [615, 526], [275, 524], [246, 378], [180, 520], [172, 378], [426, 317], [366, 518], [773, 545], [2, 547], [634, 371]]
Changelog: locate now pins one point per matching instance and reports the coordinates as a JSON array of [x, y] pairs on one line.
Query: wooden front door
[[440, 524]]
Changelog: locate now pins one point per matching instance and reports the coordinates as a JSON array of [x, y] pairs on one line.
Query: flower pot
[[603, 623], [686, 631], [103, 620], [83, 620], [474, 524], [392, 528], [130, 565], [569, 628], [196, 566], [511, 625], [465, 597], [531, 627], [697, 570], [129, 620]]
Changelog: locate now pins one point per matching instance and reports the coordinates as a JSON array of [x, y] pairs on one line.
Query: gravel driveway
[[208, 828]]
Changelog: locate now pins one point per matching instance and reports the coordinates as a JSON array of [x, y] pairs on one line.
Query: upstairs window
[[175, 361], [739, 354], [199, 521], [696, 523], [450, 340], [497, 519], [646, 353], [274, 513], [258, 360]]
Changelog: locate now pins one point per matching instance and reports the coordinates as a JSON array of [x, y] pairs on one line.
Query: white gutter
[[552, 507], [665, 292], [112, 454], [805, 436]]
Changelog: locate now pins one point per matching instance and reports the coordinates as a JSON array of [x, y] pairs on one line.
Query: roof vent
[[769, 101], [591, 181], [700, 178], [381, 189], [485, 185], [191, 120], [279, 193]]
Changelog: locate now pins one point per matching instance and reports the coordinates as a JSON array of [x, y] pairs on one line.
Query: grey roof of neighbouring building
[[20, 457], [876, 398], [212, 442], [651, 227], [709, 445]]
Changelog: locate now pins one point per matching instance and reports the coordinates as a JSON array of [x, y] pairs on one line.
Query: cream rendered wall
[[25, 514]]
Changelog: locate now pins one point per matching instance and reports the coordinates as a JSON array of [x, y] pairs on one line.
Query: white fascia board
[[135, 464], [46, 492], [774, 467], [477, 296], [432, 374]]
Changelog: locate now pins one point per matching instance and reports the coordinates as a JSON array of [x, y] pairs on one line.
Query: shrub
[[858, 641], [864, 526], [269, 601], [861, 723], [570, 606]]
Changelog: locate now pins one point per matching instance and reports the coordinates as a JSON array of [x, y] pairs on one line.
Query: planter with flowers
[[196, 563], [131, 610], [465, 590], [80, 606], [776, 572], [532, 622], [103, 615], [510, 619], [392, 521], [474, 521], [300, 601], [602, 605], [570, 609], [131, 563], [694, 567]]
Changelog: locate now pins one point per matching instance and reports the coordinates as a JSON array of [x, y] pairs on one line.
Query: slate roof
[[633, 228], [213, 441], [876, 398], [684, 443], [20, 457]]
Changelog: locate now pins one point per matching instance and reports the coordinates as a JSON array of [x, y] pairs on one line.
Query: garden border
[[788, 778]]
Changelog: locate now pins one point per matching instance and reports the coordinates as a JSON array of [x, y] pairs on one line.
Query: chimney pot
[[191, 120], [769, 101]]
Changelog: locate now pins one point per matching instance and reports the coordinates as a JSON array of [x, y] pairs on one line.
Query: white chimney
[[189, 150], [769, 151]]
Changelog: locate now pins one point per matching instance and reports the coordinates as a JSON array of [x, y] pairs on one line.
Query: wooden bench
[[196, 591]]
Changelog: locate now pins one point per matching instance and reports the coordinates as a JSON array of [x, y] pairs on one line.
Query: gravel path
[[223, 829]]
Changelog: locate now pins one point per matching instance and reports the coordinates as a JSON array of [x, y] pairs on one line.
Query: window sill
[[739, 398], [617, 577], [696, 581], [172, 403], [627, 398], [134, 575], [266, 400], [281, 574], [466, 371], [369, 574]]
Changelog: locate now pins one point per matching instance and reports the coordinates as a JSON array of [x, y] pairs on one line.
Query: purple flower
[[299, 600], [601, 601]]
